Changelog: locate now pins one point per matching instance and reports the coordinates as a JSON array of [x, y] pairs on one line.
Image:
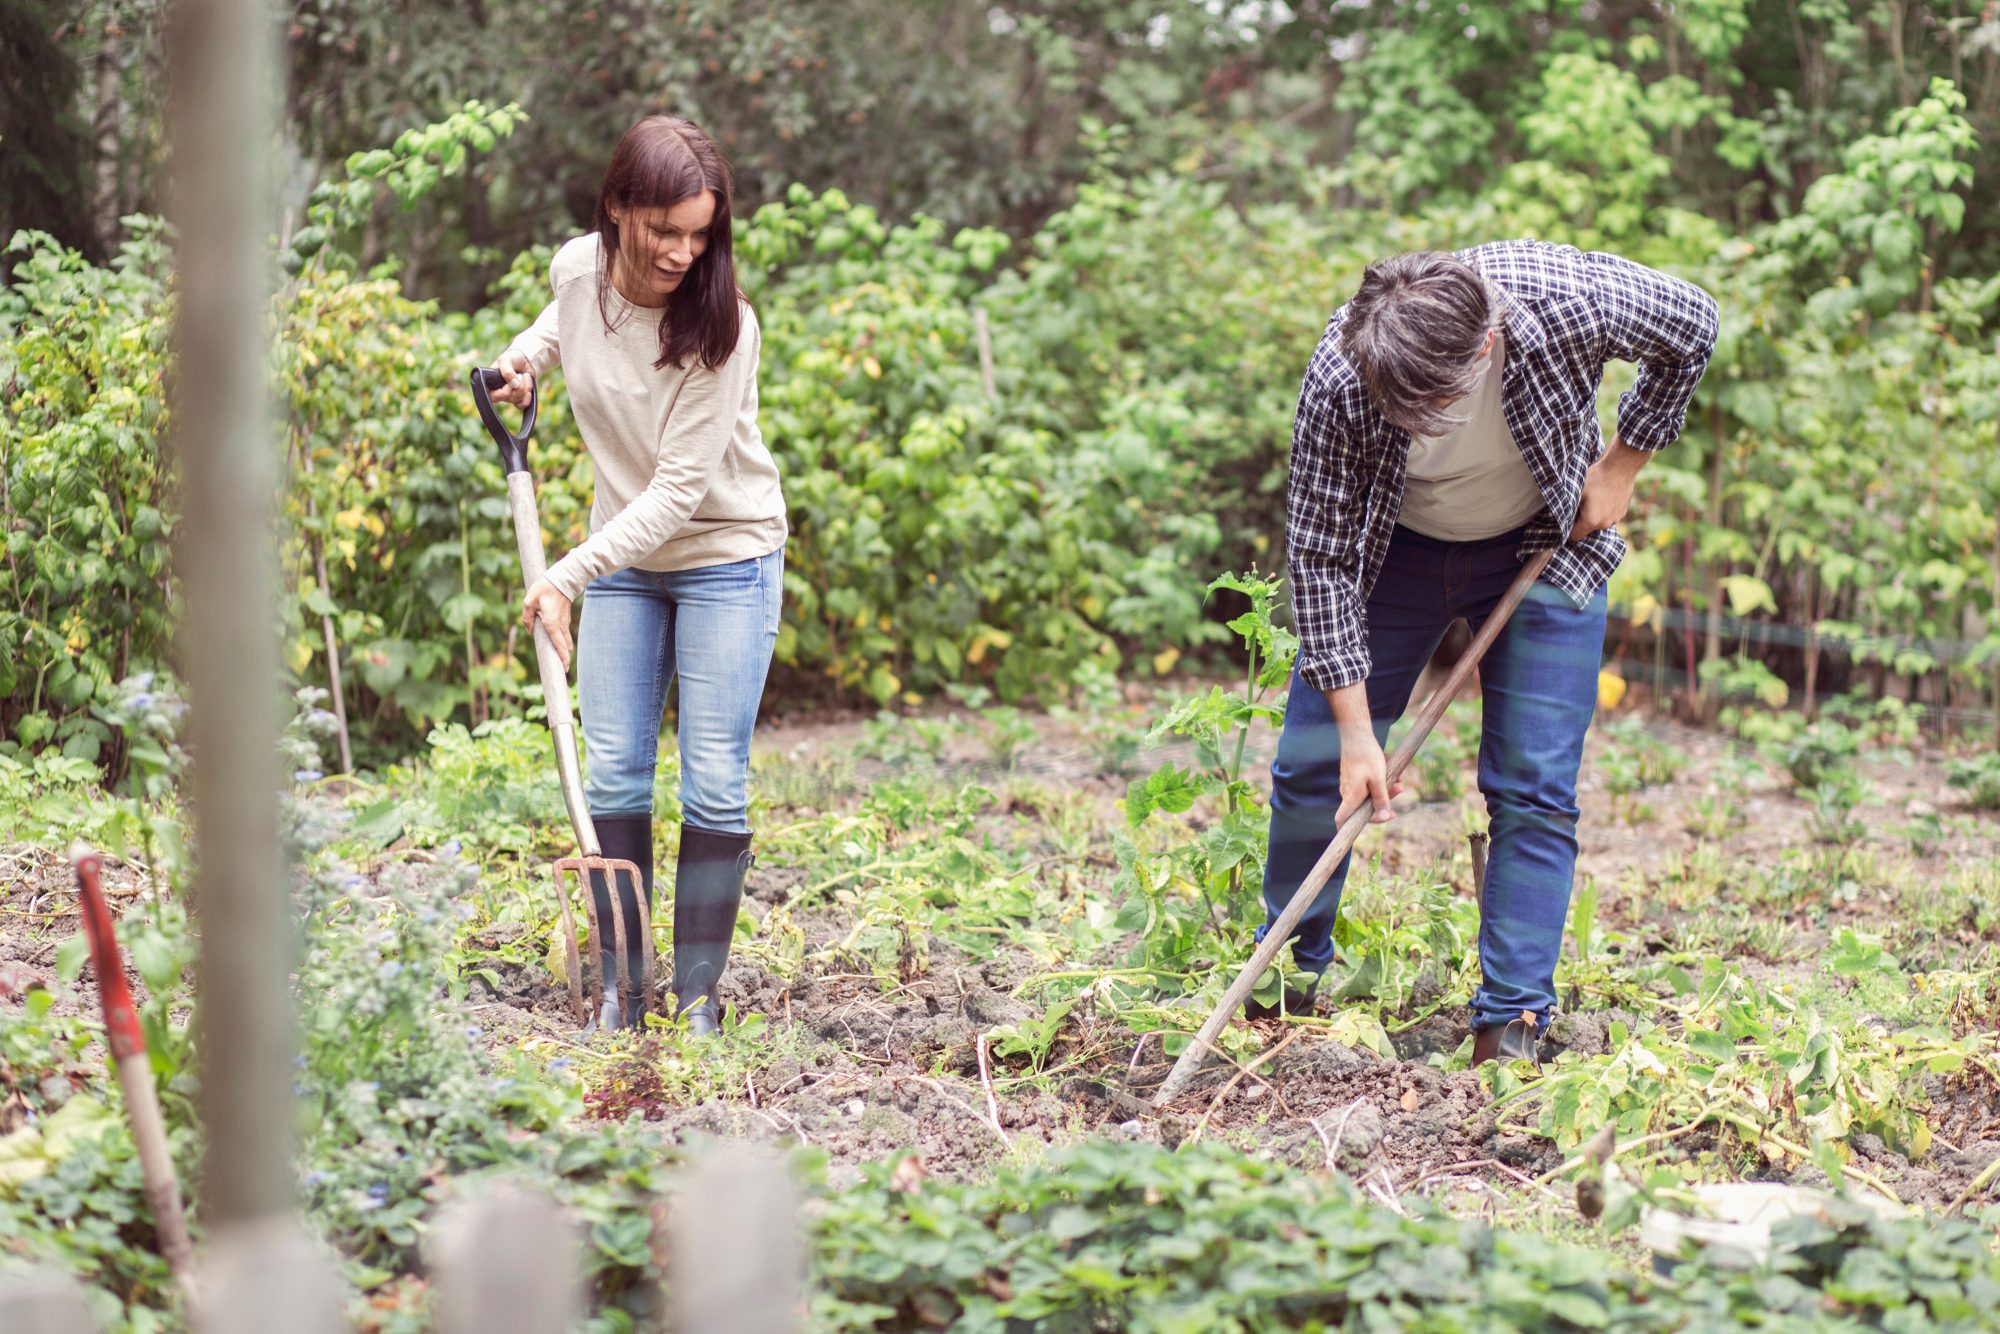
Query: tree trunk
[[104, 132], [221, 69]]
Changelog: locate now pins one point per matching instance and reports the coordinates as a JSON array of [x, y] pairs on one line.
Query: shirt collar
[[1525, 331]]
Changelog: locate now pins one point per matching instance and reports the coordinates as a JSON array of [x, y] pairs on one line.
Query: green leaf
[[70, 956], [158, 962], [462, 609], [1169, 788], [380, 823], [370, 164], [1747, 593], [1070, 1222]]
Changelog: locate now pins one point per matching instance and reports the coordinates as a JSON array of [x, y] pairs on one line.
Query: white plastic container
[[1732, 1229]]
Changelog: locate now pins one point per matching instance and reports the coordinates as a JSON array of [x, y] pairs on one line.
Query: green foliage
[[1208, 883], [1978, 776], [84, 492], [1821, 752], [1410, 946], [1114, 1235], [1634, 758], [1762, 1067], [917, 499], [1146, 342]]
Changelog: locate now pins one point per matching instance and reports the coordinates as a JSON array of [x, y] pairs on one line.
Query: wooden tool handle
[[1280, 933], [555, 680]]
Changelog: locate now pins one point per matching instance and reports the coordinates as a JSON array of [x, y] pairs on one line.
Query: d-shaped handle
[[513, 447]]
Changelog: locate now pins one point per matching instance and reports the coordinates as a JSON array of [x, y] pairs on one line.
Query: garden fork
[[562, 724]]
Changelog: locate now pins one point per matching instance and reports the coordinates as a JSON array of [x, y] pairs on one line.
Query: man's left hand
[[1607, 489]]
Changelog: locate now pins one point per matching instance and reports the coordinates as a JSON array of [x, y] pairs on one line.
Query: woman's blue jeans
[[714, 628], [1539, 687]]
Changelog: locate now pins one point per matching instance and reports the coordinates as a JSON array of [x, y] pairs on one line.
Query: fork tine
[[572, 955]]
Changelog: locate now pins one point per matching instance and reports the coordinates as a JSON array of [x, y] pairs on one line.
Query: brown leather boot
[[1511, 1041]]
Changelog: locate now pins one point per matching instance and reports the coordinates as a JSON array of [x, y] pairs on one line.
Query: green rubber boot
[[708, 891], [627, 838]]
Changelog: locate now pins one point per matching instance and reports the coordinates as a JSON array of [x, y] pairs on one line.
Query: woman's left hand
[[543, 602]]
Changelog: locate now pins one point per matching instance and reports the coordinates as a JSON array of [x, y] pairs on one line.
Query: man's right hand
[[1364, 770], [1364, 777], [520, 384]]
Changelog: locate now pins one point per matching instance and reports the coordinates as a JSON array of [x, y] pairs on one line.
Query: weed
[[1978, 776]]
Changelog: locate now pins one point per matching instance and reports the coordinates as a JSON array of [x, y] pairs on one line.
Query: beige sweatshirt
[[683, 477]]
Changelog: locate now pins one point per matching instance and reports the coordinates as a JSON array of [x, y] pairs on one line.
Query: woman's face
[[662, 244]]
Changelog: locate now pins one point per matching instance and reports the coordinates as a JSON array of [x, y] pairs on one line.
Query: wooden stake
[[984, 331], [332, 640], [223, 78], [160, 1186], [1281, 930]]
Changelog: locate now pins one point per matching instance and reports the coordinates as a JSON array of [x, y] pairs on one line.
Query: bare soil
[[886, 1071]]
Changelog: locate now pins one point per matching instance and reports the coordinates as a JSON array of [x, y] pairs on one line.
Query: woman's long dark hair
[[660, 162]]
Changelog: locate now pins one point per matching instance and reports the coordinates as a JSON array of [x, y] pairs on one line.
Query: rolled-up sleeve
[[1665, 324], [1324, 511]]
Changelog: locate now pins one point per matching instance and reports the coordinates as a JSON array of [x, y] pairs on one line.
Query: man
[[1447, 430]]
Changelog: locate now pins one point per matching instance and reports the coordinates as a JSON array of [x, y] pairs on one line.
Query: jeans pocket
[[771, 589]]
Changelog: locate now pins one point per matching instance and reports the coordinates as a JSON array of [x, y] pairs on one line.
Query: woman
[[683, 572]]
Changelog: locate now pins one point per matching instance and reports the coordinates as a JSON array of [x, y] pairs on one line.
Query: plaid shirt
[[1566, 313]]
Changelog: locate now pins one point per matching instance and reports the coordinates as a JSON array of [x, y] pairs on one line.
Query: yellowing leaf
[[985, 639], [872, 367], [1164, 660], [1747, 593], [1610, 689]]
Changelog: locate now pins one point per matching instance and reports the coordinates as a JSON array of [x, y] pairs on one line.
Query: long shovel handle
[[534, 563], [1281, 930], [135, 1072]]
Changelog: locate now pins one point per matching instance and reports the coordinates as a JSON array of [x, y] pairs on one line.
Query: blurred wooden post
[[506, 1264], [339, 701], [268, 1275], [221, 79], [737, 1261], [1708, 694], [45, 1304], [984, 330]]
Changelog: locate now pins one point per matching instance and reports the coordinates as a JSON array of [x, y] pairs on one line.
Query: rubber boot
[[1298, 1000], [1512, 1041], [708, 891], [628, 838]]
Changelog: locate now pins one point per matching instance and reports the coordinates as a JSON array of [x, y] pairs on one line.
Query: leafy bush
[[1112, 1235], [1978, 776], [1146, 344], [84, 488]]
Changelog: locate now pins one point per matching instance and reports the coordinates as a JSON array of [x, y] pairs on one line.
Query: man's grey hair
[[1413, 330]]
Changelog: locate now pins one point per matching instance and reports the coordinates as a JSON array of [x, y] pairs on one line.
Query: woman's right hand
[[520, 386]]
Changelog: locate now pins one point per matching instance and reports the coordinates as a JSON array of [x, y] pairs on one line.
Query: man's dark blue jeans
[[1539, 687]]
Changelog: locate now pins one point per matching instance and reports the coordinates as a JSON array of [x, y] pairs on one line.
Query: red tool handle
[[121, 1017]]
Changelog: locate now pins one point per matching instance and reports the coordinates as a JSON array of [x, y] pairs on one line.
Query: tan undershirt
[[1471, 482]]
